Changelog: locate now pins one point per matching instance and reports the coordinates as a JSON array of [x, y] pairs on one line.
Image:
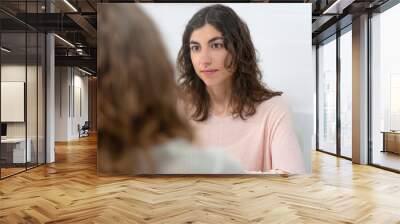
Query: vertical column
[[360, 90], [92, 99], [50, 92]]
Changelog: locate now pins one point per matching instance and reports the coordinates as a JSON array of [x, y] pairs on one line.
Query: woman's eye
[[194, 48], [217, 45]]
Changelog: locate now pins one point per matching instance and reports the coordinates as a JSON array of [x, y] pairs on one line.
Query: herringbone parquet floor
[[70, 191]]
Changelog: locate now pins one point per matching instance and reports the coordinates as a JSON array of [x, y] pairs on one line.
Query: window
[[327, 96], [385, 88], [346, 93]]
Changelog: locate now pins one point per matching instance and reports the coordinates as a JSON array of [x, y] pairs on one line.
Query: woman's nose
[[205, 57]]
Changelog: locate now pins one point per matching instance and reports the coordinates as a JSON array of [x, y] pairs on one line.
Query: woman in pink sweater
[[225, 99]]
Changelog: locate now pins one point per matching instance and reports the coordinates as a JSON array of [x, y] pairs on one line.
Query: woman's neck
[[220, 96]]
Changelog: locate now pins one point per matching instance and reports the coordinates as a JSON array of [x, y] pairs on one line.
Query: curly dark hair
[[137, 100], [248, 89]]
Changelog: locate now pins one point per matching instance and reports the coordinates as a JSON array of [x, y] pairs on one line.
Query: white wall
[[33, 126], [80, 84], [282, 37], [12, 101], [14, 73], [61, 103], [17, 73], [69, 82]]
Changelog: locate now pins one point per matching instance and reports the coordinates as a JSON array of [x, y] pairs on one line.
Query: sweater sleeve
[[285, 153]]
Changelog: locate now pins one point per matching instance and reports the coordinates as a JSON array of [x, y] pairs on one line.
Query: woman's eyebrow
[[212, 40], [215, 38]]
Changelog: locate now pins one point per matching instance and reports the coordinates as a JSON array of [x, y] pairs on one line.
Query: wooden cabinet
[[391, 141]]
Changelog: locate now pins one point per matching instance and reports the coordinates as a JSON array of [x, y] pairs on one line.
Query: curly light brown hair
[[137, 90], [247, 88]]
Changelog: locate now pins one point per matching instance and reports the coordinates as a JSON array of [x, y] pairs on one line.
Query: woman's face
[[208, 55]]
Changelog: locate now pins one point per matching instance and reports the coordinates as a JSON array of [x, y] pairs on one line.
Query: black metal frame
[[316, 97], [369, 90], [338, 98], [26, 90]]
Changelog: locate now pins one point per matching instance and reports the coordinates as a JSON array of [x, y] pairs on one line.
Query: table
[[391, 141], [13, 150]]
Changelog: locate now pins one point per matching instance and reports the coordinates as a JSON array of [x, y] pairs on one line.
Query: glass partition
[[14, 153], [327, 96], [385, 89], [22, 88], [32, 95], [346, 94]]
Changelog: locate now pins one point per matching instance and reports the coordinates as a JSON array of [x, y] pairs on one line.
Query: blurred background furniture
[[13, 151], [84, 130], [391, 141]]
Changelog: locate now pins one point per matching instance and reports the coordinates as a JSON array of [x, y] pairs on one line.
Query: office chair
[[84, 130]]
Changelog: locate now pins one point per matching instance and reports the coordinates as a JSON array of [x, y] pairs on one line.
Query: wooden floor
[[69, 191], [10, 171], [387, 159], [5, 172]]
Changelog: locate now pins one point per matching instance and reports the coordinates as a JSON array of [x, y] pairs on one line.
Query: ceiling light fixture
[[64, 40], [5, 50], [86, 72], [338, 6], [70, 5]]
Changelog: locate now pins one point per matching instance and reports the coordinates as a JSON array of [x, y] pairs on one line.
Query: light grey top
[[181, 157]]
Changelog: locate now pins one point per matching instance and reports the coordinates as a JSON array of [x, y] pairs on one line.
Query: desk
[[391, 141], [13, 150]]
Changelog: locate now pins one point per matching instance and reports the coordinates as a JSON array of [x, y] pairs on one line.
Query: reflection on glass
[[327, 96], [346, 94], [386, 88]]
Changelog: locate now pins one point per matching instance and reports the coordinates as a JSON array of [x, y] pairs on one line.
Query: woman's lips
[[209, 71]]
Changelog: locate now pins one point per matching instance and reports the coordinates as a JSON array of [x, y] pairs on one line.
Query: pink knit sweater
[[263, 142]]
